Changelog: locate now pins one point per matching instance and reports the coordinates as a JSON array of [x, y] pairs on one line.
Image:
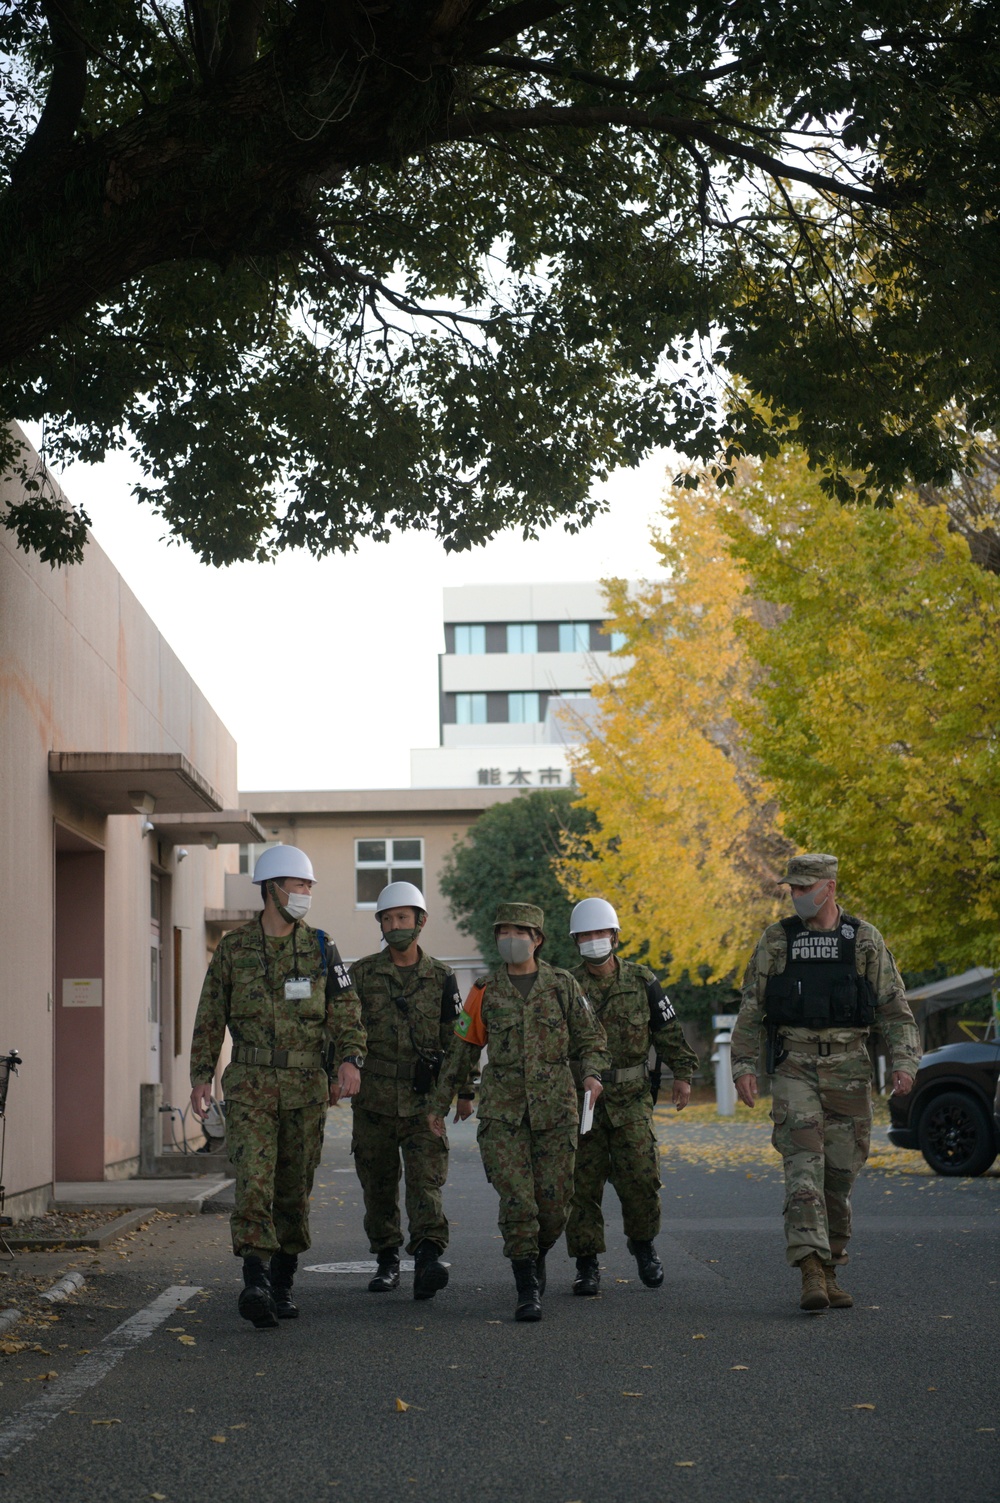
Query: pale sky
[[326, 671]]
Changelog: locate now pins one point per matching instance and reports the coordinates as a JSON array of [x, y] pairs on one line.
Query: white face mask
[[515, 949], [297, 905], [808, 904], [596, 949]]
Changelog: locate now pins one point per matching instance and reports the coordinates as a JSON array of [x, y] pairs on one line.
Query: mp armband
[[338, 977]]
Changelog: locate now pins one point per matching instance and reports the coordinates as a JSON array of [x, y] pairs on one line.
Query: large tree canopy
[[330, 266]]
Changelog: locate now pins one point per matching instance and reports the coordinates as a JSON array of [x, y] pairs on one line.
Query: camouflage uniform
[[391, 1135], [528, 1114], [274, 1116], [621, 1145], [821, 1106]]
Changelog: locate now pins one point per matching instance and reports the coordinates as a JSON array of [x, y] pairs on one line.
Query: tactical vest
[[820, 986]]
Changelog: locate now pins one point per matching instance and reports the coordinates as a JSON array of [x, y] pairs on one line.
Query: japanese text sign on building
[[493, 777]]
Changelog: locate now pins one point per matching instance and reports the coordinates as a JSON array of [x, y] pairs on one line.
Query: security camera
[[181, 853]]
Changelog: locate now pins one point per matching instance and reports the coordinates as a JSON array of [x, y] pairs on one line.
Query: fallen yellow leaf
[[862, 1406], [160, 1497], [699, 1337], [105, 1422], [187, 1341], [238, 1427], [627, 1395], [683, 1463], [401, 1407], [986, 1429], [220, 1440], [740, 1367], [174, 1329]]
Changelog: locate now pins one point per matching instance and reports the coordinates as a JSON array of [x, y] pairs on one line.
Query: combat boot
[[283, 1266], [540, 1265], [429, 1273], [529, 1300], [256, 1302], [839, 1298], [588, 1276], [387, 1274], [649, 1265], [814, 1295]]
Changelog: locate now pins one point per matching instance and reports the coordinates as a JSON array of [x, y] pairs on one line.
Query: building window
[[379, 862], [522, 636], [249, 854], [522, 709], [618, 640], [470, 639], [574, 636], [470, 709]]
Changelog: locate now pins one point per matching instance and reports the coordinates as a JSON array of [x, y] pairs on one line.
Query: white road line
[[30, 1421]]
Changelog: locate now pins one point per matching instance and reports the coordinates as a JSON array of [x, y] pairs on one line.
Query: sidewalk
[[182, 1196]]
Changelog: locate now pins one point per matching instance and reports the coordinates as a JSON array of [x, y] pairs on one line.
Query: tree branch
[[239, 41], [508, 23], [505, 122], [67, 89]]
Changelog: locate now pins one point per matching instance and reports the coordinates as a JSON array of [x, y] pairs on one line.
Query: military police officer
[[621, 1146], [817, 982], [534, 1018], [409, 1003], [281, 990]]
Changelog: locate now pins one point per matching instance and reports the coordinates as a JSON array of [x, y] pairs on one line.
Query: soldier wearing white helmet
[[409, 1002], [281, 989], [621, 1146]]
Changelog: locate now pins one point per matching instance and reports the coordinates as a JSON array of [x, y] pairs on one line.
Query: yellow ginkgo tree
[[690, 842]]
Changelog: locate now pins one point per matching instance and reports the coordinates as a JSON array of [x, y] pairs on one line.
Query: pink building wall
[[84, 669]]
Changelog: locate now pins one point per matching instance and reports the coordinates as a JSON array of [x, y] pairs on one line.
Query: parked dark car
[[952, 1115]]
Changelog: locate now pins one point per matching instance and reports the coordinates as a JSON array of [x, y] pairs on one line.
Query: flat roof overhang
[[229, 827], [134, 782], [217, 920]]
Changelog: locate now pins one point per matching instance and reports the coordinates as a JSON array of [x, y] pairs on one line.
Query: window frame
[[393, 868]]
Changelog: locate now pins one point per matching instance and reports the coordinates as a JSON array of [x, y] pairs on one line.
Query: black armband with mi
[[451, 999], [661, 1009], [338, 977]]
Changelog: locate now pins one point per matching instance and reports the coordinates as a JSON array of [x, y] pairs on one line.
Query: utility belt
[[612, 1076], [278, 1059], [422, 1072], [820, 1047]]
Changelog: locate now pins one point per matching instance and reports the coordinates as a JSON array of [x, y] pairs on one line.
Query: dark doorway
[[79, 1008]]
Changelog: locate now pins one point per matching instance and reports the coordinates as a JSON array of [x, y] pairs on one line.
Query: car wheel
[[955, 1136]]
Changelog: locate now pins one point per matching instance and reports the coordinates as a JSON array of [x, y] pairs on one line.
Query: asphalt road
[[714, 1387]]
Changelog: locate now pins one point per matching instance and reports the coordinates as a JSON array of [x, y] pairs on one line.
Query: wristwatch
[[357, 1060]]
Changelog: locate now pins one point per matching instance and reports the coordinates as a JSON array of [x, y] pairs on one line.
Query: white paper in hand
[[587, 1114]]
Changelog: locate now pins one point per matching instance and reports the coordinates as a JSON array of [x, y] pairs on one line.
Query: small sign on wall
[[83, 992]]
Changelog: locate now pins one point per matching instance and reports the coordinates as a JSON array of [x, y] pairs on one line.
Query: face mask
[[295, 906], [808, 904], [596, 949], [400, 939], [515, 949]]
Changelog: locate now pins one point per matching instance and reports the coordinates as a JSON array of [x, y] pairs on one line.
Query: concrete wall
[[84, 669]]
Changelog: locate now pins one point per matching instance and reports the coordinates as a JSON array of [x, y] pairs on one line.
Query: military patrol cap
[[803, 871], [526, 915]]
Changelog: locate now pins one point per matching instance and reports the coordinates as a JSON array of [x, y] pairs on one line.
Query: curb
[[8, 1318], [100, 1238], [64, 1288]]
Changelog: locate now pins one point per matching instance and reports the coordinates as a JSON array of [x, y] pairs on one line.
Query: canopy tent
[[953, 990]]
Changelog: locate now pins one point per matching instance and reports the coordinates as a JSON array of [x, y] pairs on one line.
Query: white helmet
[[282, 861], [592, 913], [400, 895]]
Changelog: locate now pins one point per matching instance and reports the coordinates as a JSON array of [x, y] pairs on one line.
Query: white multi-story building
[[515, 684]]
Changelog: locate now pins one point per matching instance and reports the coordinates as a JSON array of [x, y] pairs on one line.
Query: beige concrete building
[[118, 784], [358, 841]]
